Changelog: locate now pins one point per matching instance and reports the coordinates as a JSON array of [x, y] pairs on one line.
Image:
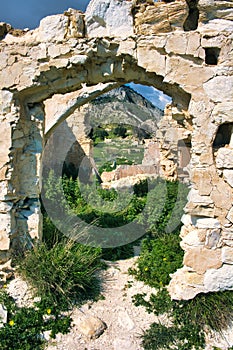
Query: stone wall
[[182, 50]]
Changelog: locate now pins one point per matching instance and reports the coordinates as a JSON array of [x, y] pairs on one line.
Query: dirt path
[[125, 322]]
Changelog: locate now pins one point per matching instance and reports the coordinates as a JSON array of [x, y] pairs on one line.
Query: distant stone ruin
[[183, 48]]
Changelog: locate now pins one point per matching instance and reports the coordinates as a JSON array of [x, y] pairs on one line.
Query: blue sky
[[28, 13]]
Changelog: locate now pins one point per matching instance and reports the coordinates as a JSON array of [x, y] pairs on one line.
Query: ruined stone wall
[[182, 48]]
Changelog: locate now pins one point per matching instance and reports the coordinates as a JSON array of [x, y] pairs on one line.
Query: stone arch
[[62, 56]]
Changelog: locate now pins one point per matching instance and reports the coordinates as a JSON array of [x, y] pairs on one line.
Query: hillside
[[123, 106]]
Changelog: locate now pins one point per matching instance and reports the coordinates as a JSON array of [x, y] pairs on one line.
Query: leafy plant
[[158, 259], [25, 325]]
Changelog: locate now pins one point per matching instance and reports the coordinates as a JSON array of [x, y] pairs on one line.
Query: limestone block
[[230, 215], [193, 45], [76, 23], [194, 279], [192, 239], [222, 195], [3, 190], [205, 223], [91, 327], [201, 259], [5, 101], [195, 197], [182, 287], [161, 17], [212, 238], [219, 279], [216, 26], [109, 18], [228, 176], [53, 28], [227, 255], [5, 207], [222, 112], [126, 47], [177, 43], [224, 158], [151, 59], [4, 240], [78, 59], [202, 180], [219, 88]]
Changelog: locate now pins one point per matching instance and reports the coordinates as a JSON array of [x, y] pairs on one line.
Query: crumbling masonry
[[183, 48]]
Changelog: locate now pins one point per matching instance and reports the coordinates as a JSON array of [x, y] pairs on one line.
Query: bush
[[64, 274], [158, 259]]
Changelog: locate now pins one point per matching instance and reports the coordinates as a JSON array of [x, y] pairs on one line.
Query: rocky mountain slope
[[122, 106]]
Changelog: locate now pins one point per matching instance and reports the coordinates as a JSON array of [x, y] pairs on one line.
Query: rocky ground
[[113, 322]]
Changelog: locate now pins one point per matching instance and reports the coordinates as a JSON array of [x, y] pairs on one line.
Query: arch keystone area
[[183, 48]]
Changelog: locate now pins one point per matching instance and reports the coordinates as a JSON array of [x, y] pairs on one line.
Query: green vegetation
[[62, 273], [158, 260], [25, 325]]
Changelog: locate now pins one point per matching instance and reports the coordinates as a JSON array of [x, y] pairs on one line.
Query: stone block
[[160, 17], [227, 255], [91, 327], [219, 89], [5, 143], [4, 240], [230, 215], [213, 238], [228, 176], [201, 259], [192, 239], [53, 28], [151, 59], [205, 223], [176, 43], [193, 278], [219, 279], [5, 101], [109, 18], [224, 158]]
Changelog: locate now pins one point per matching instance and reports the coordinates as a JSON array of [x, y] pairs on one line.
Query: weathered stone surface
[[206, 223], [219, 89], [219, 279], [227, 255], [109, 18], [186, 284], [224, 158], [91, 327], [160, 17], [192, 239], [230, 215], [213, 238], [201, 259], [58, 27], [228, 176], [3, 315]]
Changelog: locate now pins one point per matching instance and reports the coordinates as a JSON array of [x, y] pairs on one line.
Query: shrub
[[63, 274], [158, 259]]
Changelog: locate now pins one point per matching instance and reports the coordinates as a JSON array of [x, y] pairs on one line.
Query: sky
[[28, 13]]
